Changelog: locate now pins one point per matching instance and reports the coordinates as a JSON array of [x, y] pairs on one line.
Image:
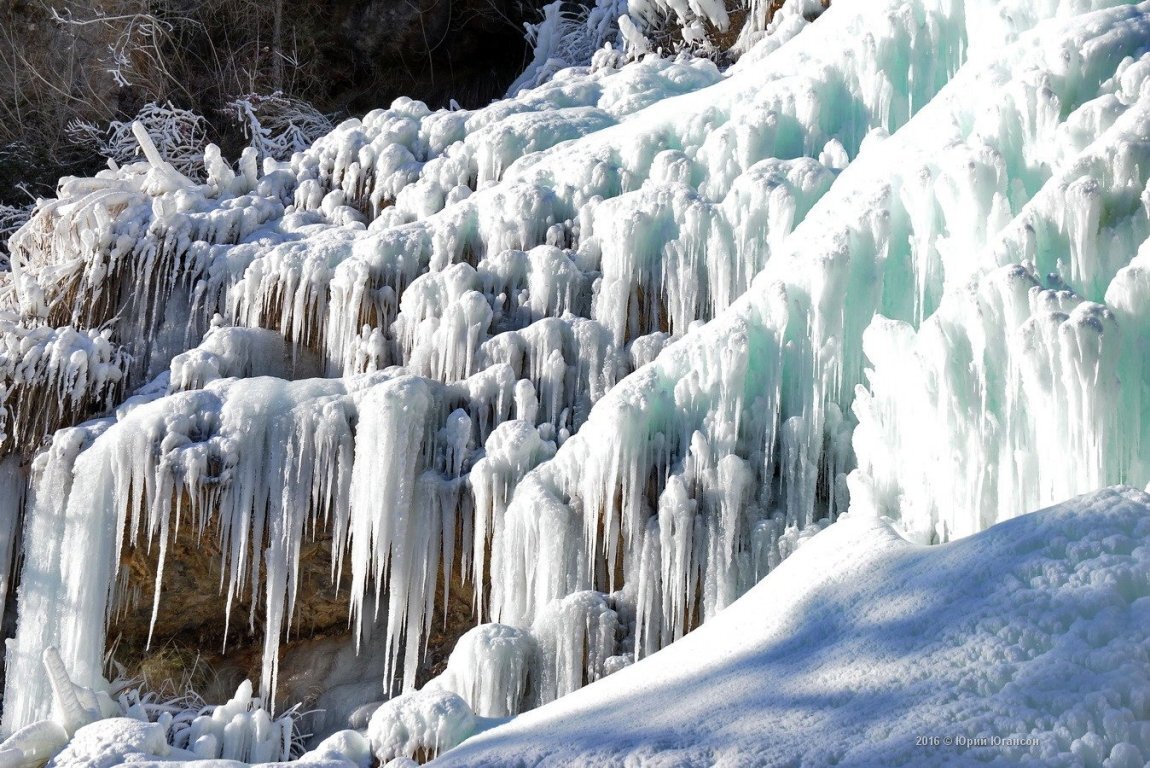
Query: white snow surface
[[862, 643]]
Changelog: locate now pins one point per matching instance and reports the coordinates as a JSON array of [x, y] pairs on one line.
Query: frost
[[278, 126], [112, 742], [178, 135]]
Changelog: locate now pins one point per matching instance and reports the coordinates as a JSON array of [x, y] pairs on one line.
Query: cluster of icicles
[[595, 348]]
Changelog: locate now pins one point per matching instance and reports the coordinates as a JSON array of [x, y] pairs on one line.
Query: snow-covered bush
[[12, 217], [276, 125], [179, 136], [240, 729]]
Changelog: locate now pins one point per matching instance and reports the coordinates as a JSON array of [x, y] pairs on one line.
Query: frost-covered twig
[[277, 125], [135, 53], [179, 136], [12, 217], [565, 39]]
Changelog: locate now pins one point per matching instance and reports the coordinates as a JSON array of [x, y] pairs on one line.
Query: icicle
[[489, 668], [576, 636], [395, 541], [514, 448], [73, 714]]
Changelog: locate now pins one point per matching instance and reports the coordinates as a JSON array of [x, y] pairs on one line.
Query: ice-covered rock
[[610, 350], [422, 723]]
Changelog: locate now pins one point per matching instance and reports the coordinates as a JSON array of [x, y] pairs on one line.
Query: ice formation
[[120, 740], [610, 349], [422, 723], [114, 723], [490, 668], [1023, 644]]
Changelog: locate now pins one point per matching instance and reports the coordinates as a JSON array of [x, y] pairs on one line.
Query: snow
[[425, 722], [862, 643], [610, 349], [112, 742], [33, 745], [122, 740]]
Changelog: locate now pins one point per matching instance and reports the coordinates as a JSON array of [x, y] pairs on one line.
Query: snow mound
[[863, 649], [422, 723]]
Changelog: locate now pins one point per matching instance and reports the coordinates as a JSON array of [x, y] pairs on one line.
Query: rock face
[[188, 647]]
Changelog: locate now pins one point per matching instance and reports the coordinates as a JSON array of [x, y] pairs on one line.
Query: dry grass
[[95, 61]]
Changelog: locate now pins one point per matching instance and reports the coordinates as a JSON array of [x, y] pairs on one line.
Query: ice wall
[[610, 349], [1030, 373], [261, 461], [693, 510]]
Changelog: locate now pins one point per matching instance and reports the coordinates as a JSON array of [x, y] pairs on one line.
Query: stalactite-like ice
[[244, 461], [1034, 391], [902, 226], [600, 348], [513, 449], [577, 641], [491, 668]]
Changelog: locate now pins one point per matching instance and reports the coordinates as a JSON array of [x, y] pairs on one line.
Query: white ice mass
[[609, 351]]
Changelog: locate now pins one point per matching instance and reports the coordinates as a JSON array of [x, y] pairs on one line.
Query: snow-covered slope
[[863, 649]]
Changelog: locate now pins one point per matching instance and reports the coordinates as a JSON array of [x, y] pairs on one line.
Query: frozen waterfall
[[608, 350]]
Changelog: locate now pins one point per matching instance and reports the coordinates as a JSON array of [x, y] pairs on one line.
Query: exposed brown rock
[[187, 647]]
